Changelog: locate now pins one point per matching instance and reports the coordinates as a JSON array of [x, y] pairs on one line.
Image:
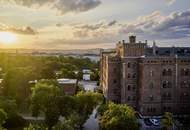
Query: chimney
[[132, 39]]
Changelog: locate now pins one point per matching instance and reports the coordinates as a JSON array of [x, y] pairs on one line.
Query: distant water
[[93, 58]]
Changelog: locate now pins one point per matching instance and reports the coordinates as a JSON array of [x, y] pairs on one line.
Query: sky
[[86, 24]]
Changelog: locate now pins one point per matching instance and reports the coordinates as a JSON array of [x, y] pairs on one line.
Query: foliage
[[86, 102], [118, 117], [66, 105], [10, 107], [102, 108], [167, 120], [51, 112], [3, 117], [15, 83], [35, 127], [41, 92]]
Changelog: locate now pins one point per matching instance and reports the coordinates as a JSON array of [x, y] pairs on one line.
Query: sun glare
[[7, 37]]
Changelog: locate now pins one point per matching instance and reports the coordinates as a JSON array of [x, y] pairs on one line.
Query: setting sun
[[7, 37]]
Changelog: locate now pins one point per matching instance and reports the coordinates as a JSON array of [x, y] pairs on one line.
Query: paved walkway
[[92, 123]]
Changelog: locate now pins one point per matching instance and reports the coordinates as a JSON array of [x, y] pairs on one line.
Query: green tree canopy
[[3, 117], [41, 93], [118, 117]]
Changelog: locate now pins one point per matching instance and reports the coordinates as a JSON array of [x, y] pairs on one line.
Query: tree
[[86, 102], [35, 127], [167, 121], [66, 105], [13, 118], [119, 117], [41, 93], [3, 117], [51, 112]]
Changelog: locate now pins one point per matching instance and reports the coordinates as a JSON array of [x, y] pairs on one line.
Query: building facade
[[68, 86], [152, 80]]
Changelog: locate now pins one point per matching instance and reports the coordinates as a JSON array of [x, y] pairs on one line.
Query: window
[[151, 73], [184, 96], [134, 75], [134, 87], [164, 72], [134, 65], [129, 76], [185, 84], [151, 85], [167, 109], [114, 81], [166, 96], [151, 109], [185, 72], [128, 98], [151, 98], [134, 98], [129, 65], [166, 84], [167, 72], [129, 87], [114, 70]]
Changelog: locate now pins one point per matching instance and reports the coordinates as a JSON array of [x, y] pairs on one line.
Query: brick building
[[153, 80], [68, 86]]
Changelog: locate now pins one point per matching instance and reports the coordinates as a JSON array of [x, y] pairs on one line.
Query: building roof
[[168, 51], [67, 81]]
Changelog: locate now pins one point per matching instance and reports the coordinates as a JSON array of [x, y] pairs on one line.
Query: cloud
[[155, 25], [25, 30], [62, 6], [99, 29], [170, 2]]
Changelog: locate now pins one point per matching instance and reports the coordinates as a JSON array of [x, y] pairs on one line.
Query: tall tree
[[3, 117], [118, 117], [41, 93]]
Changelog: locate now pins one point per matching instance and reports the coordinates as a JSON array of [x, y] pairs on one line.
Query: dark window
[[185, 84], [167, 109], [166, 84], [134, 98], [114, 70], [129, 87], [114, 81], [129, 76], [167, 72], [129, 65], [166, 96], [151, 97], [185, 96], [134, 87], [129, 98], [151, 109], [185, 72], [134, 75], [164, 72]]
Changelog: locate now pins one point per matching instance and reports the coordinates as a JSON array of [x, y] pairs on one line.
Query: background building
[[150, 79], [68, 86]]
